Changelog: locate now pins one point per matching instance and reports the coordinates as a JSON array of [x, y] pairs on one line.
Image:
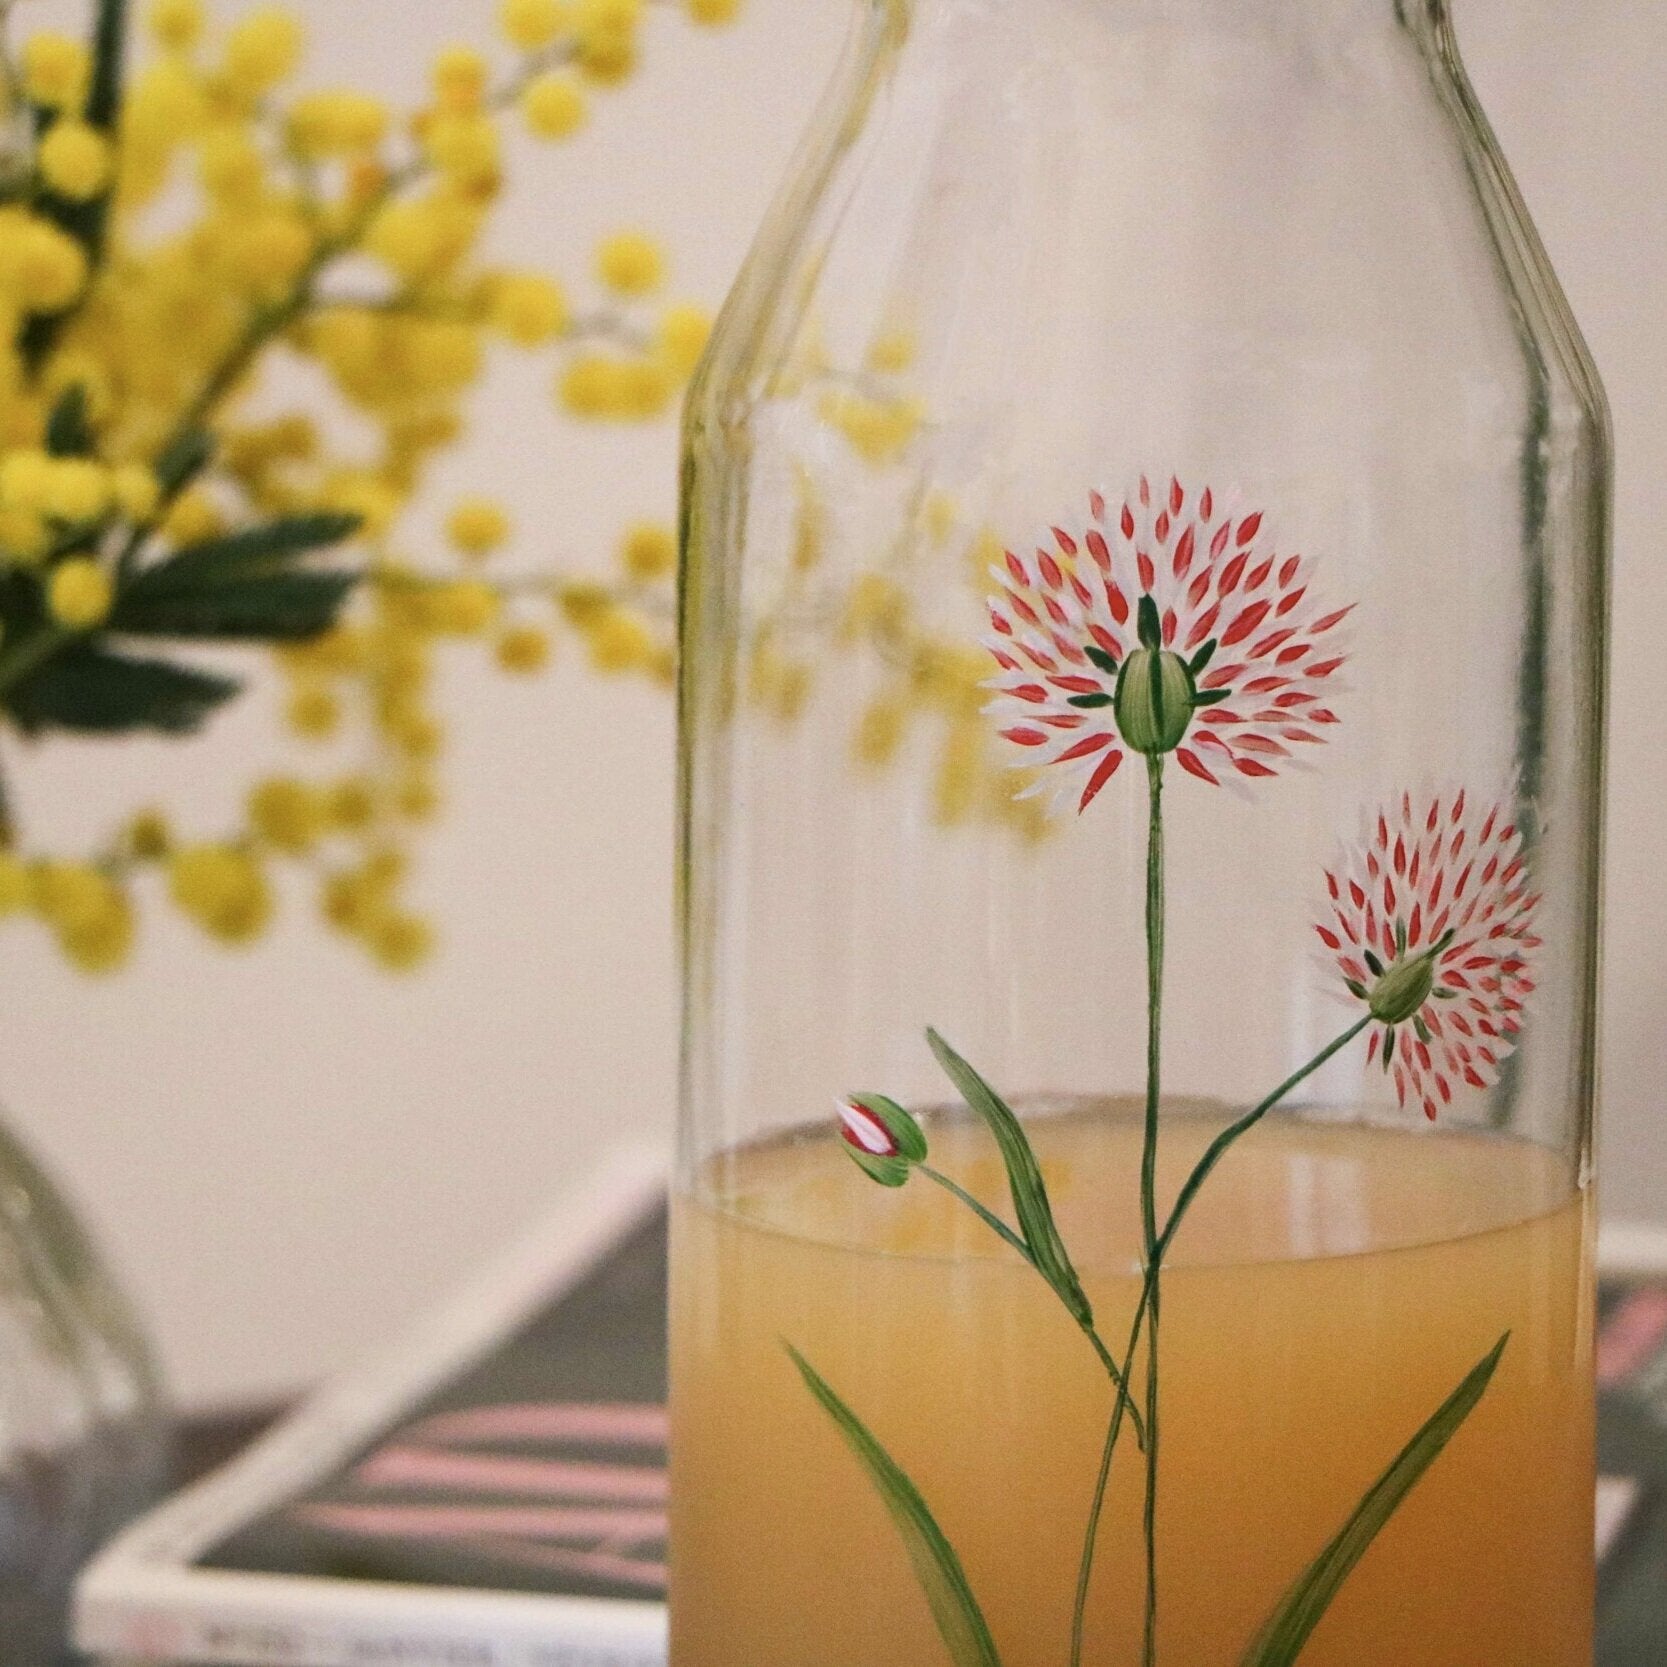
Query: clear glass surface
[[82, 1434], [1227, 263]]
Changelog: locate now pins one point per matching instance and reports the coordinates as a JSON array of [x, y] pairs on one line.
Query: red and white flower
[[1259, 650], [1431, 923], [860, 1128], [881, 1137]]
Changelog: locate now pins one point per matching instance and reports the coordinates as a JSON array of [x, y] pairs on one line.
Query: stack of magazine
[[493, 1493]]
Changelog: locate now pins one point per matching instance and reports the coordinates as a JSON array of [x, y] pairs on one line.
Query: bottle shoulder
[[1119, 211]]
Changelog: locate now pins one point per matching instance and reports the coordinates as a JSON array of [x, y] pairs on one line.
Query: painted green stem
[[1149, 1181], [1008, 1236], [1124, 1406], [987, 1216]]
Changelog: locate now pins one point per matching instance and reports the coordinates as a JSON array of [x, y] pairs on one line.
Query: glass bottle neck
[[1328, 17]]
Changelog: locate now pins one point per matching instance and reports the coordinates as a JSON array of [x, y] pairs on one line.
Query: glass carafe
[[1146, 514]]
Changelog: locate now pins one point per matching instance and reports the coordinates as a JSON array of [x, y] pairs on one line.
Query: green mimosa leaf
[[90, 689], [183, 459], [68, 433], [1024, 1177], [1282, 1640], [960, 1621], [249, 551], [271, 607]]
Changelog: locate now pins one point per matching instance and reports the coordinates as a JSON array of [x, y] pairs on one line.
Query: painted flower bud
[[1155, 698], [1402, 990], [883, 1140]]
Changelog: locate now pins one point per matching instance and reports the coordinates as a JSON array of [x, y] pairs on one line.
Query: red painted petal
[[1246, 622], [1206, 621], [1184, 552], [1103, 773], [1085, 748], [1231, 574], [1273, 640], [1189, 761]]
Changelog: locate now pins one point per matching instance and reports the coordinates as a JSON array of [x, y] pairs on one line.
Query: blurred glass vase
[[1147, 509], [82, 1436]]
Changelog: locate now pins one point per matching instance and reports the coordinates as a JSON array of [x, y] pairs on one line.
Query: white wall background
[[286, 1152]]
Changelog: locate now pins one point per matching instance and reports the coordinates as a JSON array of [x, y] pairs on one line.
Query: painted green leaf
[[1106, 662], [889, 1172], [1282, 1640], [960, 1621], [1024, 1177], [88, 688]]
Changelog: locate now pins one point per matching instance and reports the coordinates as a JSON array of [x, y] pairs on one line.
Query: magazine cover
[[493, 1495]]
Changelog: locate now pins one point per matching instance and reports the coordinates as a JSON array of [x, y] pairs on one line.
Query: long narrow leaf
[[955, 1609], [1282, 1640], [1024, 1177]]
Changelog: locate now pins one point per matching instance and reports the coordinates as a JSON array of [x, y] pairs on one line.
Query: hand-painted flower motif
[[882, 1138], [1431, 924], [1175, 628]]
